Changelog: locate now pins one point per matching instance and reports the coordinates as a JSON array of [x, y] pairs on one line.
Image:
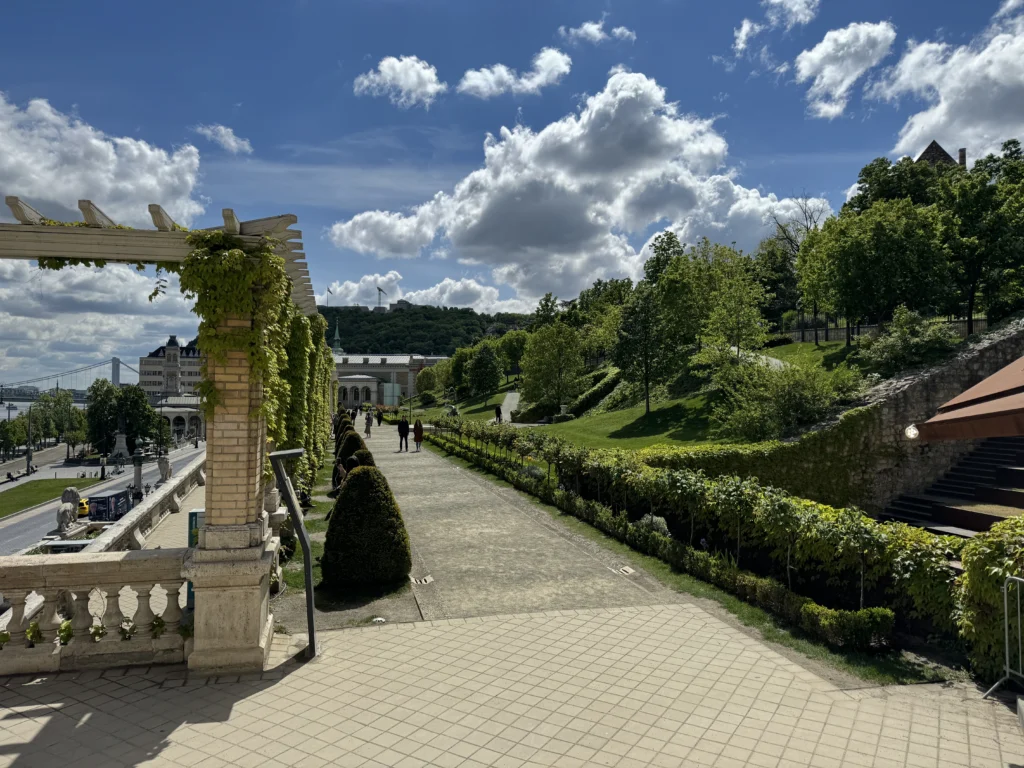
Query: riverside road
[[24, 530]]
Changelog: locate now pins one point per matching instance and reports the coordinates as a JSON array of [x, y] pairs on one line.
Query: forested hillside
[[420, 330]]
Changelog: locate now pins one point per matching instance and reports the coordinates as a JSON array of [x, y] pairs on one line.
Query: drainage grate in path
[[626, 570], [424, 580]]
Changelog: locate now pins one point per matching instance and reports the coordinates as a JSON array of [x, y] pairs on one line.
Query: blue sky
[[685, 127]]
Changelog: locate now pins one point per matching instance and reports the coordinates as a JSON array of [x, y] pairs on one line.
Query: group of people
[[403, 428]]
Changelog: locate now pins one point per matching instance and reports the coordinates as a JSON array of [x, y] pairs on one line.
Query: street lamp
[[28, 445]]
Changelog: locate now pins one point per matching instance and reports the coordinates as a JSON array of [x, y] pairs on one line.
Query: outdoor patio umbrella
[[991, 408]]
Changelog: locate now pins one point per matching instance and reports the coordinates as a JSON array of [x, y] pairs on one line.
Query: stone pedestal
[[120, 446], [233, 626]]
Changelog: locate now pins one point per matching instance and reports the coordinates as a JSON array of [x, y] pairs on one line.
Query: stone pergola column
[[230, 568]]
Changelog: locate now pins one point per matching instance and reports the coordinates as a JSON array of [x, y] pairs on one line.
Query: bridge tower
[[115, 371]]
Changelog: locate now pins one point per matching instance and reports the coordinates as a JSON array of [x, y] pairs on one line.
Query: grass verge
[[891, 668], [32, 492], [671, 422]]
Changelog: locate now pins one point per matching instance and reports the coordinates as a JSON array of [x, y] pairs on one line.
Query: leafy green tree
[[735, 319], [641, 352], [881, 179], [774, 267], [75, 434], [101, 415], [552, 365], [162, 433], [43, 421], [484, 371], [547, 311], [513, 345], [459, 364], [443, 374], [139, 416], [865, 265], [426, 380], [664, 249]]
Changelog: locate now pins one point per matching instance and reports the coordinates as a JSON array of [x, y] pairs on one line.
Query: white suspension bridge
[[76, 381]]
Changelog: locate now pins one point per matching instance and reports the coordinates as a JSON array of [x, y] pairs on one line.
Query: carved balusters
[[143, 618], [172, 613], [82, 618], [112, 616], [16, 626], [48, 616]]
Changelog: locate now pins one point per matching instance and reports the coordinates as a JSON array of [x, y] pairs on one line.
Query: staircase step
[[1009, 496], [1013, 475]]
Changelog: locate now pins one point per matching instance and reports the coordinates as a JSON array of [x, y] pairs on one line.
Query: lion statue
[[67, 515], [166, 468]]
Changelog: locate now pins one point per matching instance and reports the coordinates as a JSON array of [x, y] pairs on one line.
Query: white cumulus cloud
[[53, 160], [226, 138], [974, 93], [593, 32], [744, 33], [557, 208], [838, 61], [407, 81], [1009, 7], [450, 292], [790, 13], [549, 67]]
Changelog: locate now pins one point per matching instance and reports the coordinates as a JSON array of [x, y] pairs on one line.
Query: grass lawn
[[674, 421], [805, 354], [32, 492], [889, 668], [473, 409]]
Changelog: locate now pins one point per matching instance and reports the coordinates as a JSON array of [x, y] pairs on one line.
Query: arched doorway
[[344, 394], [178, 426], [367, 396], [355, 395]]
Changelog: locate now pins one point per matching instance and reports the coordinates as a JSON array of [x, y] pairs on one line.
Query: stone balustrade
[[130, 531], [123, 607]]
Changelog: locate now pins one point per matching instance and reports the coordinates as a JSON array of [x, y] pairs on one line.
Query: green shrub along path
[[33, 492], [675, 422]]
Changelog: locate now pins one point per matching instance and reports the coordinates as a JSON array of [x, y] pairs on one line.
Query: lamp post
[[28, 444]]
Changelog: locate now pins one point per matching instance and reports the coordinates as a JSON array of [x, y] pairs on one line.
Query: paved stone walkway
[[653, 686], [489, 551], [537, 652]]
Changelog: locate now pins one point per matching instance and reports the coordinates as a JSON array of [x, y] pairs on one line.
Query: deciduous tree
[[641, 352], [552, 365]]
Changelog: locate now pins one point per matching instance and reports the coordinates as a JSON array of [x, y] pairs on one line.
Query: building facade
[[171, 369], [379, 379]]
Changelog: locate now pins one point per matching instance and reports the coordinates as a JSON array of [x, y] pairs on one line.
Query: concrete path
[[490, 551], [509, 404]]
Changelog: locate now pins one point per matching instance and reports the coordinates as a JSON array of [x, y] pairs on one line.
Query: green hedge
[[598, 392], [859, 629], [988, 559], [350, 443], [366, 544]]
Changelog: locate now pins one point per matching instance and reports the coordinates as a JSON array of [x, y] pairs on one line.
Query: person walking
[[380, 416], [369, 422], [497, 414], [417, 434], [403, 434]]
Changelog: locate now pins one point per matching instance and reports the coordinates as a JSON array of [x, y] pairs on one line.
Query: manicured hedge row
[[595, 394], [860, 629]]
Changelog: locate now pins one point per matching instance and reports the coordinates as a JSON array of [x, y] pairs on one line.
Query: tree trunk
[[803, 328], [970, 309], [789, 571], [814, 310], [849, 339], [647, 395]]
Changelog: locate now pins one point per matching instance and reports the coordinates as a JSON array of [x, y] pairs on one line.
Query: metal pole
[[284, 484], [28, 444], [1006, 630]]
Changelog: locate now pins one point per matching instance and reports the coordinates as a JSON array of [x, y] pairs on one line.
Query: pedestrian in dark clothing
[[380, 416], [403, 434], [497, 414], [417, 434]]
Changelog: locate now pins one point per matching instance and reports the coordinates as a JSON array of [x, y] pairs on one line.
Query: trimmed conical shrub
[[340, 436], [351, 462], [365, 457], [367, 544], [350, 443]]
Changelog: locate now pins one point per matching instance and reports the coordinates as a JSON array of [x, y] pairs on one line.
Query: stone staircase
[[983, 488]]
